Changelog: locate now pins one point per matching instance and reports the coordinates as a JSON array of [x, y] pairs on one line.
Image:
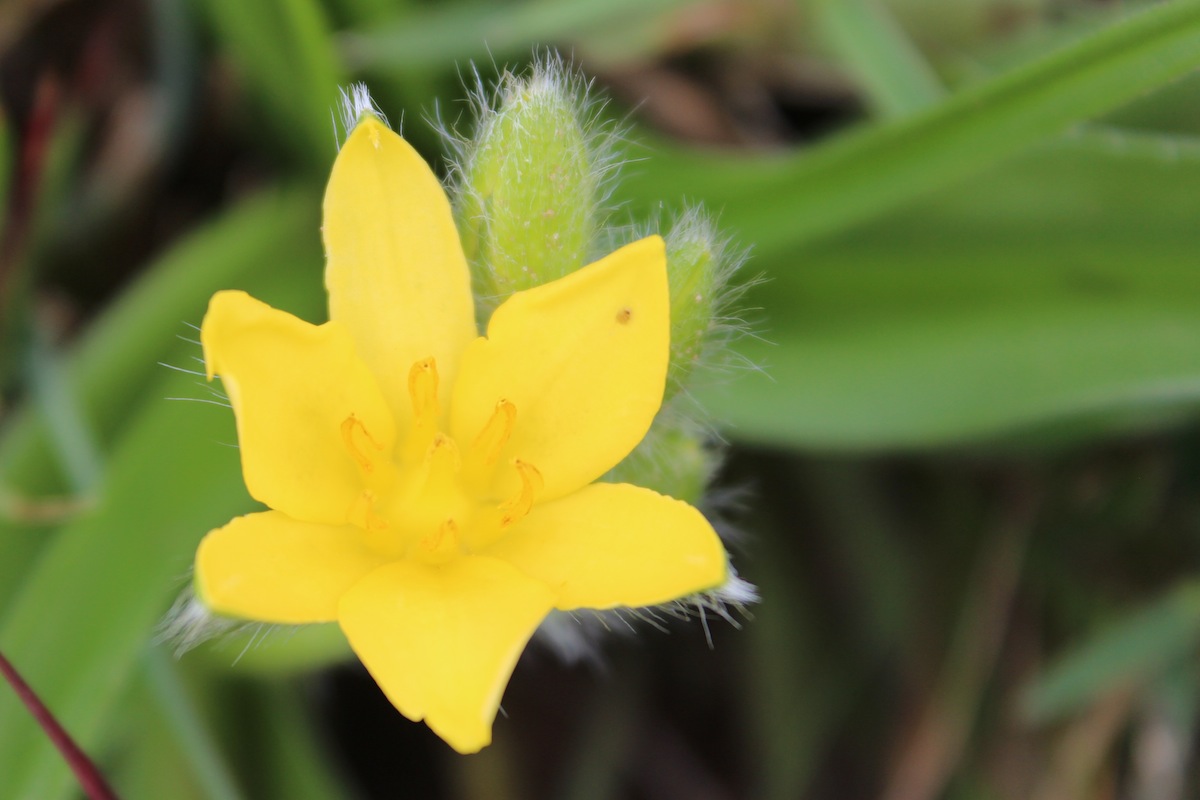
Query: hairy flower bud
[[531, 183], [672, 460], [698, 267]]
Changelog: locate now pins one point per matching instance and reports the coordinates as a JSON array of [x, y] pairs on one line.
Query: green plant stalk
[[90, 779]]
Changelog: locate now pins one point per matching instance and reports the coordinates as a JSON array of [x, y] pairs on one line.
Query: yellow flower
[[432, 490]]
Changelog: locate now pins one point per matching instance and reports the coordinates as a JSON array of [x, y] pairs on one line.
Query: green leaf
[[187, 725], [284, 49], [894, 75], [1059, 288], [780, 203], [1128, 654], [445, 34], [85, 613], [6, 165], [91, 603], [118, 357]]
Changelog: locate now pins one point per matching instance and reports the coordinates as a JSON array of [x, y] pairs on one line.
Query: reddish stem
[[93, 783]]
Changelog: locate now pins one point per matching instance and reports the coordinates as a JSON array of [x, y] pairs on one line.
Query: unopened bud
[[530, 185], [673, 459], [697, 272]]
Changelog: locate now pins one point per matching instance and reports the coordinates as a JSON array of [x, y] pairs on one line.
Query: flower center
[[427, 501]]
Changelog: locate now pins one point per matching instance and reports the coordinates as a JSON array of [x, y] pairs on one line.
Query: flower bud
[[530, 184], [673, 460], [697, 269]]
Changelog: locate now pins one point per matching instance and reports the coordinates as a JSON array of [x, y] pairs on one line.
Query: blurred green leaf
[[106, 577], [1063, 285], [151, 763], [72, 441], [295, 763], [84, 614], [780, 203], [186, 724], [866, 38], [1128, 654], [122, 348], [41, 198], [7, 167], [117, 359], [457, 32], [92, 601], [284, 49]]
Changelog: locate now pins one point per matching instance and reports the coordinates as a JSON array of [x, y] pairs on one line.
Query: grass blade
[[781, 203]]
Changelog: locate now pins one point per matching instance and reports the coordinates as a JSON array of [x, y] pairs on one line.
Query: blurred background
[[964, 468]]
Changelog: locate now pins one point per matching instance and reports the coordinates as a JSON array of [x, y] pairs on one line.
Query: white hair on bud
[[354, 103], [717, 354]]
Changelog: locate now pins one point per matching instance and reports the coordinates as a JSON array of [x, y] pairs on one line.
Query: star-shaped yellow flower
[[432, 490]]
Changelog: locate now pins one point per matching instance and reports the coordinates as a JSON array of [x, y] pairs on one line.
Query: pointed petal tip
[[223, 306], [441, 642], [370, 129], [357, 105]]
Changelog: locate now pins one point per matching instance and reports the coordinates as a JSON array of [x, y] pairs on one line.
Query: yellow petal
[[395, 270], [584, 361], [293, 386], [442, 641], [612, 544], [272, 568]]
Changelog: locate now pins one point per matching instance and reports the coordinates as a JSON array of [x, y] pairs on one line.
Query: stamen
[[517, 506], [485, 451], [439, 471], [423, 393], [352, 428], [446, 534], [362, 514], [423, 387]]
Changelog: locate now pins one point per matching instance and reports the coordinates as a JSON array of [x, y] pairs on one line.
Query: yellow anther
[[354, 433], [517, 506], [484, 452], [495, 433]]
